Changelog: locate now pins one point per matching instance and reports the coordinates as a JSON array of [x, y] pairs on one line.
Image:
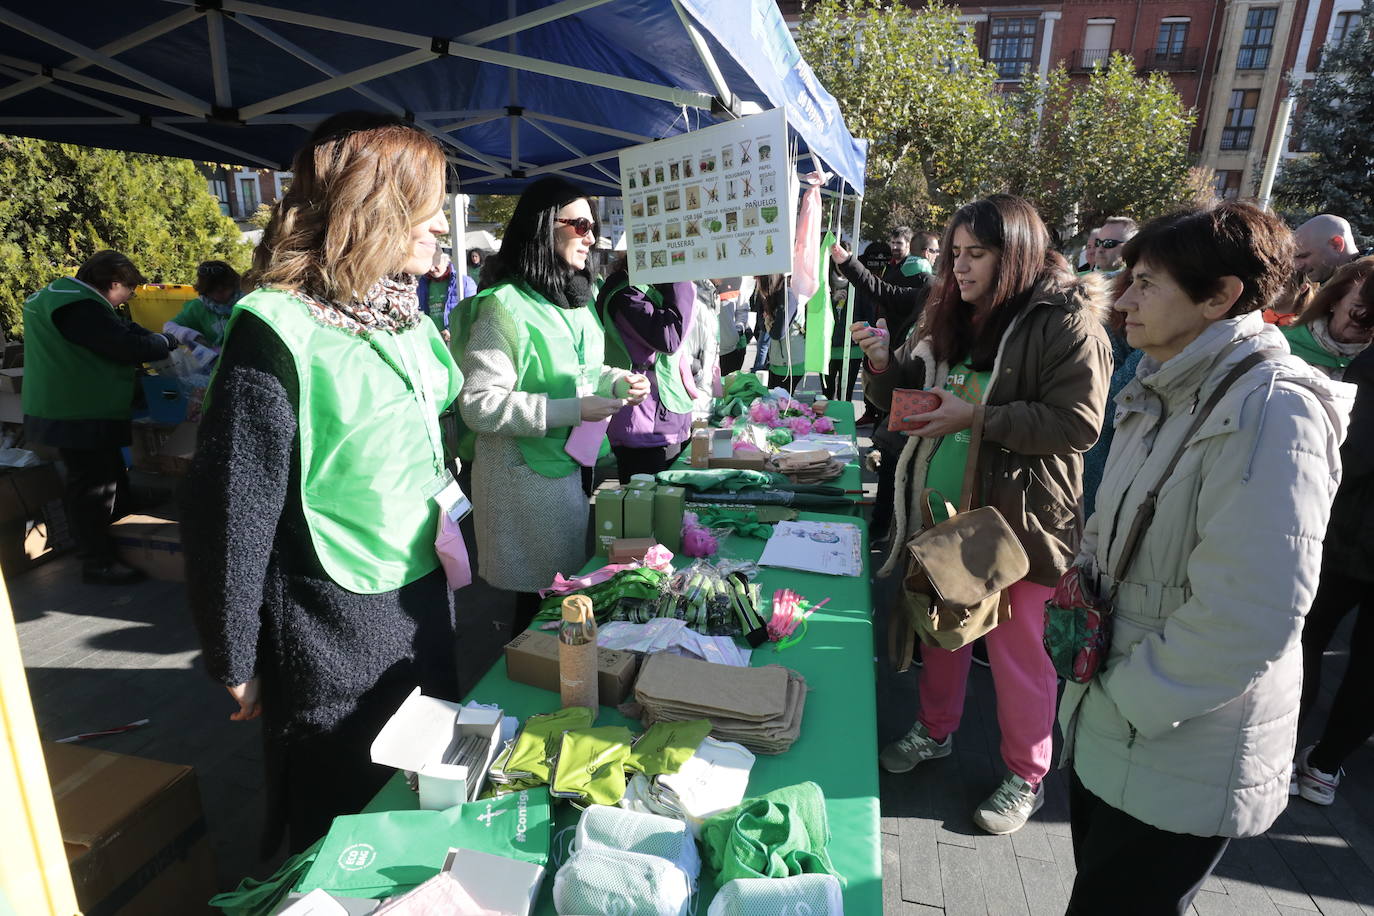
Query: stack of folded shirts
[[760, 708], [809, 467]]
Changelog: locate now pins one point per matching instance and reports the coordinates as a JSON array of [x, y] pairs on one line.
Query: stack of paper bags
[[809, 467], [761, 708]]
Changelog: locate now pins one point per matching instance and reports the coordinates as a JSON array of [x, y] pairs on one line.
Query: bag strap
[[927, 516], [1145, 512], [975, 445]]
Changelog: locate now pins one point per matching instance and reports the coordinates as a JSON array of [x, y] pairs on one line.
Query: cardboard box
[[610, 519], [497, 884], [722, 444], [421, 736], [669, 503], [146, 447], [639, 514], [33, 518], [11, 407], [742, 462], [152, 543], [532, 658], [642, 482], [133, 831], [700, 449], [625, 550], [12, 380], [174, 458]]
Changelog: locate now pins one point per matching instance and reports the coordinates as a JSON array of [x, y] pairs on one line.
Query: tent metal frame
[[185, 110]]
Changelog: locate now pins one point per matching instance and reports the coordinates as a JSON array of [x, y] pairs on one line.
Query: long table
[[842, 412], [838, 745]]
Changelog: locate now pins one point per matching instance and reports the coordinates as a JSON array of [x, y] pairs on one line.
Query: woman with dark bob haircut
[[1010, 333], [1186, 736], [535, 372]]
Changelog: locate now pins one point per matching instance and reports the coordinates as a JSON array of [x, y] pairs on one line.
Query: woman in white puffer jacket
[[1185, 739]]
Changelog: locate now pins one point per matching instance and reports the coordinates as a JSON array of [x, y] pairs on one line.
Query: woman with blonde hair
[[312, 567]]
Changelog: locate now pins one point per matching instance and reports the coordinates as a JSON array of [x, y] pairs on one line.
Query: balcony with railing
[[1180, 61], [1086, 59]]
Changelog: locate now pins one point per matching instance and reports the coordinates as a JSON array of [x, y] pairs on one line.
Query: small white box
[[722, 443], [419, 737], [496, 883]]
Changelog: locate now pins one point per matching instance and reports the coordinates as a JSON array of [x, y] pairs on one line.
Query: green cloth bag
[[261, 898], [777, 835], [666, 746], [390, 852], [590, 769]]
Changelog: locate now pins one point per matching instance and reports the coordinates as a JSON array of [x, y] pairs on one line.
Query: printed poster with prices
[[832, 548], [716, 202]]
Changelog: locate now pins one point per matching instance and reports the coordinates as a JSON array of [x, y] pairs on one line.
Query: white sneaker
[[1317, 787], [916, 746], [1007, 809]]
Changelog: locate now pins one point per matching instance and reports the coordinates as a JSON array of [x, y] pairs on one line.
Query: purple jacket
[[647, 330]]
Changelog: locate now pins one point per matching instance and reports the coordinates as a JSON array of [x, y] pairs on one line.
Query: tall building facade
[[1230, 60]]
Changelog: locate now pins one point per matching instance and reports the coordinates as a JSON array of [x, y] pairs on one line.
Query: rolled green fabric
[[777, 835]]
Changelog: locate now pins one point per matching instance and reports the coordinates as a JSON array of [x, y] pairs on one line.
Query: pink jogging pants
[[1023, 677]]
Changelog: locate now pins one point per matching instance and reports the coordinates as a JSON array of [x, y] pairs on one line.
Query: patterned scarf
[[390, 305]]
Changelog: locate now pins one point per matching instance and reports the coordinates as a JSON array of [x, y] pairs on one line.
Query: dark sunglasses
[[581, 225], [1107, 243]]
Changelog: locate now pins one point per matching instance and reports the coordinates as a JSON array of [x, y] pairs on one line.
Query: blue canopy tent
[[513, 89]]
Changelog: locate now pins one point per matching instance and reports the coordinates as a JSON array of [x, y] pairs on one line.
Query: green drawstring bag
[[536, 742], [390, 852], [590, 769], [261, 898], [666, 746]]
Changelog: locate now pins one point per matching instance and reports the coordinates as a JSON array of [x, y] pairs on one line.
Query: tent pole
[[849, 300], [570, 148], [727, 97], [343, 81], [219, 58]]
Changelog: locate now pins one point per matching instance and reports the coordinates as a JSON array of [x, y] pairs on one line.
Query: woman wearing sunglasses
[[310, 524], [537, 395]]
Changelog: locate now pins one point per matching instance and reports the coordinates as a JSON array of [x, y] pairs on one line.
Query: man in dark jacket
[[80, 359]]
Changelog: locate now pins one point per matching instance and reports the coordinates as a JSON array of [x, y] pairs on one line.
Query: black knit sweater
[[262, 602]]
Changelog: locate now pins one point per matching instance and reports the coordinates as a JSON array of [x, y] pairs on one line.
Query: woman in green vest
[[204, 319], [81, 358], [538, 390], [1326, 334], [316, 493]]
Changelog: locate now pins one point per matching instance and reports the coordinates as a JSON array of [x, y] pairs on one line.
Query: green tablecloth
[[838, 744]]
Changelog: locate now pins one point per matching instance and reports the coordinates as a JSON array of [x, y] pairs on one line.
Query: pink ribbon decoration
[[658, 557], [806, 249]]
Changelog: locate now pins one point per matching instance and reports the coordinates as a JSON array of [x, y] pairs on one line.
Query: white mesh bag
[[604, 882], [603, 827], [817, 895]]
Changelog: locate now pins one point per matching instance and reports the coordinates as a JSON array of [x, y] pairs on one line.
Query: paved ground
[[100, 657]]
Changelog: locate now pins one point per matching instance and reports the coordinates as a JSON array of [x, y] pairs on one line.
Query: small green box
[[639, 514], [669, 503], [642, 482], [610, 519]]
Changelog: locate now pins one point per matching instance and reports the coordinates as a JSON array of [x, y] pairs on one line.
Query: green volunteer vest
[[670, 389], [367, 462], [197, 316], [546, 362], [63, 380], [1305, 346]]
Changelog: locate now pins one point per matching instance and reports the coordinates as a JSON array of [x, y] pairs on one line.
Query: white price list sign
[[716, 202]]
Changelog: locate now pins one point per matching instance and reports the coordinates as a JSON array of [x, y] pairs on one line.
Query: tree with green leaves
[[1115, 146], [914, 85], [1336, 123], [63, 203]]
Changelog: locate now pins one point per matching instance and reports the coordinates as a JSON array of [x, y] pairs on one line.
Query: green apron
[[370, 448], [63, 380], [555, 349], [669, 387]]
